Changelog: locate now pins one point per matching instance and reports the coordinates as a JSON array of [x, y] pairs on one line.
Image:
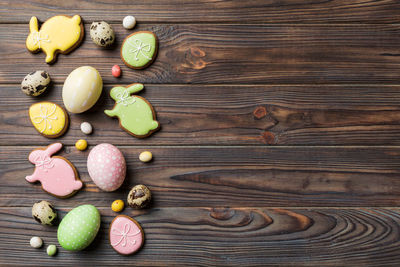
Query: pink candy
[[116, 71]]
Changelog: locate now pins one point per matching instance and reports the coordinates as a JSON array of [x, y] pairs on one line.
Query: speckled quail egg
[[102, 34], [43, 212], [139, 197], [35, 83]]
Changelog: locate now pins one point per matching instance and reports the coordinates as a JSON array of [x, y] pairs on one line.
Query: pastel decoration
[[139, 49], [136, 115], [79, 228], [56, 174], [126, 235], [106, 166], [59, 34], [129, 22], [49, 119], [82, 89]]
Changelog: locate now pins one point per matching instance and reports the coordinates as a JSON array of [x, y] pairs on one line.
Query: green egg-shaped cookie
[[79, 227], [139, 49]]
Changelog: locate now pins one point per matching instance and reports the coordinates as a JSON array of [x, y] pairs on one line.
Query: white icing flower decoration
[[45, 117], [45, 162], [138, 48], [124, 234], [124, 98], [37, 38]]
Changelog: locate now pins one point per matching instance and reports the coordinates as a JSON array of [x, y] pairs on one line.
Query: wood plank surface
[[279, 143], [234, 115], [228, 176], [229, 54], [200, 11], [224, 236]]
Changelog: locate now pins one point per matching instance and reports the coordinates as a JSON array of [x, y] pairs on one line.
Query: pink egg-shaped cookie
[[126, 235], [106, 166]]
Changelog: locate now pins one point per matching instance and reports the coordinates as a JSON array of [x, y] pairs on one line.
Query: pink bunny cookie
[[56, 174]]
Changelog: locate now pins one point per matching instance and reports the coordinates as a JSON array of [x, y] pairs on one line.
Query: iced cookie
[[139, 49], [59, 34], [135, 114], [35, 83], [49, 119], [126, 235], [56, 174]]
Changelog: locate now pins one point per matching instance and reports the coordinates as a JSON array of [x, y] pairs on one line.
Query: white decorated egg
[[106, 166], [79, 227], [82, 89]]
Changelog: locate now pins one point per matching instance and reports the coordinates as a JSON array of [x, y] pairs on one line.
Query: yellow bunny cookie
[[57, 34]]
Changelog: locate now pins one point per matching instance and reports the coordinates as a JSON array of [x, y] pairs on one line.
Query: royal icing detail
[[139, 49], [59, 33], [126, 236], [45, 117], [48, 118], [135, 114], [56, 174]]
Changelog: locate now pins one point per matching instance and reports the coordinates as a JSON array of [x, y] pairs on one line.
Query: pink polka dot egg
[[107, 167]]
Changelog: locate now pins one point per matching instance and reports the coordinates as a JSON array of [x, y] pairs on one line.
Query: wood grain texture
[[233, 11], [233, 176], [279, 143], [234, 115], [223, 236], [229, 54]]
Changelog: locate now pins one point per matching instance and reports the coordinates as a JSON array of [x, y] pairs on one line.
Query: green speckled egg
[[79, 227]]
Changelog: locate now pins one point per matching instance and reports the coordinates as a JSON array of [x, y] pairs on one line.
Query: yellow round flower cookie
[[49, 119]]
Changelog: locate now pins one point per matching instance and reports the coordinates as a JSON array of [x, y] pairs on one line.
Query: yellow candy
[[117, 205], [145, 156], [81, 144]]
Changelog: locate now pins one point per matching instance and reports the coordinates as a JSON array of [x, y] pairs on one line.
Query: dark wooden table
[[280, 133]]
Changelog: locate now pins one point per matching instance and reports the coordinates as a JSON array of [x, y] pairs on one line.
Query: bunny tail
[[77, 185]]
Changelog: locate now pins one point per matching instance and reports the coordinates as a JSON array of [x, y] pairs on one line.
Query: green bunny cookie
[[135, 114]]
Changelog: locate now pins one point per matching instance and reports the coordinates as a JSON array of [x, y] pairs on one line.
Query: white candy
[[36, 242], [129, 22], [86, 128]]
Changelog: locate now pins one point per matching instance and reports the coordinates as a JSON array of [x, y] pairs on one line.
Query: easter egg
[[82, 89], [106, 166], [79, 227]]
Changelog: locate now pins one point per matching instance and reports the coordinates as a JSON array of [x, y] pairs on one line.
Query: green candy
[[51, 250], [139, 49], [79, 227]]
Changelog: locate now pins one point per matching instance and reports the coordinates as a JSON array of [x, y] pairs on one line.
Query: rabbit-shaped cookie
[[56, 174], [135, 114], [58, 34]]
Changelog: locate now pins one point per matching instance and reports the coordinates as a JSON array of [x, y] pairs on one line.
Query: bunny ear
[[34, 155], [53, 148], [134, 88], [115, 91], [76, 19], [33, 25]]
